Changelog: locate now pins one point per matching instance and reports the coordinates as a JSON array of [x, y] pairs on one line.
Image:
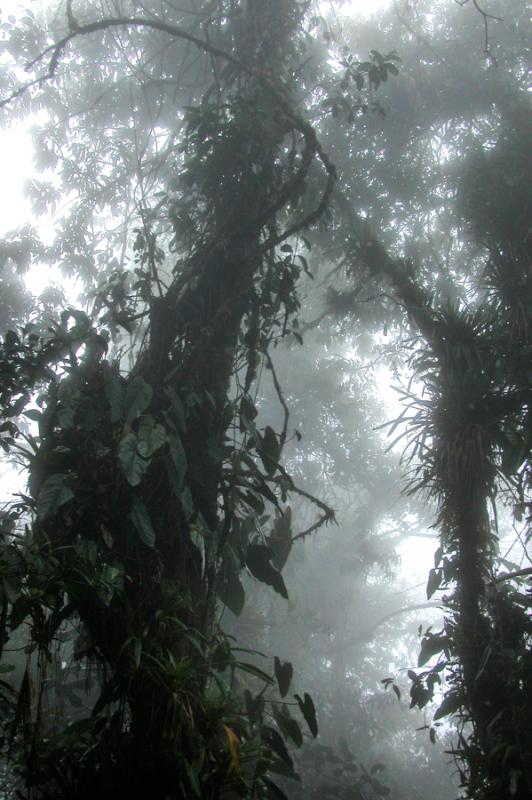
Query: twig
[[507, 576], [485, 18], [312, 145], [372, 628], [280, 396]]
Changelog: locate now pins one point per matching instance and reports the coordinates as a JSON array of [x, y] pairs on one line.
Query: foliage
[[161, 480]]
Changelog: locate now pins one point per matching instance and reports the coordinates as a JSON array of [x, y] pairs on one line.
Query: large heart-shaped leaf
[[283, 673], [138, 397], [232, 593], [258, 560], [309, 712], [133, 465], [141, 520], [151, 436], [54, 494]]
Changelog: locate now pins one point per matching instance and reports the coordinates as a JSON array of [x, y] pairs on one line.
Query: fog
[[265, 400]]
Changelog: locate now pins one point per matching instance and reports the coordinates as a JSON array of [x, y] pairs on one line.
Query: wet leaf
[[258, 562], [309, 712], [283, 673], [151, 437], [133, 465], [141, 520], [232, 593], [138, 397], [54, 493]]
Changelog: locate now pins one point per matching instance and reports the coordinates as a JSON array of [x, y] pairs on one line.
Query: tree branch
[[508, 576], [372, 628], [312, 145]]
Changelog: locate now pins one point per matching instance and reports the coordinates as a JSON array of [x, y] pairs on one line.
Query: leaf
[[193, 778], [274, 793], [280, 539], [115, 393], [133, 465], [233, 744], [151, 437], [270, 450], [54, 494], [283, 673], [138, 397], [179, 457], [257, 672], [248, 412], [451, 703], [289, 727], [33, 414], [430, 646], [177, 410], [275, 741], [434, 581], [141, 520], [279, 767], [255, 705], [258, 559], [232, 593], [309, 712]]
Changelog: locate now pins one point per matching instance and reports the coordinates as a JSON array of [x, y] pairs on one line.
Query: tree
[[469, 431], [154, 469], [144, 486], [466, 295]]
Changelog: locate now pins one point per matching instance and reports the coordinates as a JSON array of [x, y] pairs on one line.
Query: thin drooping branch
[[508, 576], [281, 398], [486, 17], [312, 145], [370, 630]]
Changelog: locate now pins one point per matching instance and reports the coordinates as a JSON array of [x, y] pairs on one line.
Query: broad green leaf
[[258, 559], [177, 412], [115, 393], [133, 465], [255, 705], [138, 397], [232, 593], [274, 740], [430, 646], [450, 704], [54, 494], [248, 412], [187, 502], [280, 539], [434, 581], [141, 520], [288, 726], [33, 414], [151, 436], [274, 793], [251, 669], [283, 673], [270, 450], [179, 458], [309, 712]]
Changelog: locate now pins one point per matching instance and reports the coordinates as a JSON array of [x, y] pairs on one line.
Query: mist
[[265, 400]]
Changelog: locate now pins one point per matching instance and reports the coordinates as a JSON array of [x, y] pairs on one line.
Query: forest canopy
[[285, 356]]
